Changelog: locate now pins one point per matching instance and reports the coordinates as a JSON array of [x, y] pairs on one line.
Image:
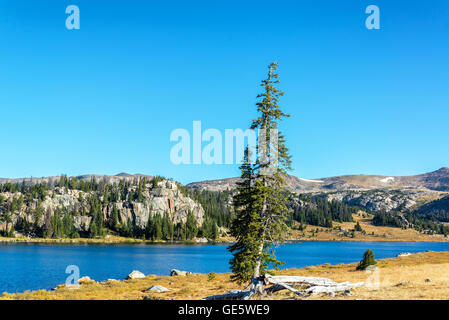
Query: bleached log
[[281, 286], [315, 281], [314, 285], [331, 289]]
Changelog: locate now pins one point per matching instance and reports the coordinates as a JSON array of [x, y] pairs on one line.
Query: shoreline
[[371, 233], [400, 274], [88, 241]]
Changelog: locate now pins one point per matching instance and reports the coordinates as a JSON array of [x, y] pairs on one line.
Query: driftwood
[[281, 286], [253, 289], [313, 285], [316, 281]]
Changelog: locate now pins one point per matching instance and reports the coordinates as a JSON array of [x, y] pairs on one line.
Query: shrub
[[155, 181], [211, 276], [368, 260]]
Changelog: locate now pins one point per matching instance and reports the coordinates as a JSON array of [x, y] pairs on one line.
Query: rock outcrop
[[176, 272], [135, 275], [377, 200], [164, 197], [85, 279], [157, 288]]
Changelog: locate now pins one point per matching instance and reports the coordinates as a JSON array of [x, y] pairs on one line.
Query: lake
[[39, 266]]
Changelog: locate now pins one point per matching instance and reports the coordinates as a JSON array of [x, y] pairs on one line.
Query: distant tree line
[[437, 210], [423, 223], [318, 211], [216, 204], [389, 219]]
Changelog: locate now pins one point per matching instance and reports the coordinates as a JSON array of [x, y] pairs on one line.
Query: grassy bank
[[71, 241], [311, 233], [371, 232], [107, 240], [418, 276]]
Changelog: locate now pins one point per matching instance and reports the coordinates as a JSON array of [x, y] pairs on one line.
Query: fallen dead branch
[[313, 285]]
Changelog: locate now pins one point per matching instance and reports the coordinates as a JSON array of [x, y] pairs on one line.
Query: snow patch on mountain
[[308, 180]]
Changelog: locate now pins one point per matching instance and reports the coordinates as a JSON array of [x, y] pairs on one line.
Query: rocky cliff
[[163, 197], [378, 200]]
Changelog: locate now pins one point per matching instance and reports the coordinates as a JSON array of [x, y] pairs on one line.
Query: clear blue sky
[[104, 99]]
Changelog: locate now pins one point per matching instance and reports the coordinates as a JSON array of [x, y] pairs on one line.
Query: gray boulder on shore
[[135, 275], [85, 279], [157, 288], [175, 272]]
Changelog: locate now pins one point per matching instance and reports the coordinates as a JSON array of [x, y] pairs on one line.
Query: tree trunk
[[259, 261], [257, 282]]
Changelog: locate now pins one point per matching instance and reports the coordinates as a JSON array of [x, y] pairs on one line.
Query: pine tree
[[93, 229], [165, 227], [245, 226], [149, 229], [9, 227], [368, 260], [191, 228], [157, 228], [260, 203], [113, 218], [214, 232]]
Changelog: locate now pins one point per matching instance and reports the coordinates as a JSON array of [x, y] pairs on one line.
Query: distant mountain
[[437, 180], [426, 195], [372, 192], [434, 181]]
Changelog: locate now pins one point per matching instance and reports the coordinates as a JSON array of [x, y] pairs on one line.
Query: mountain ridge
[[437, 180]]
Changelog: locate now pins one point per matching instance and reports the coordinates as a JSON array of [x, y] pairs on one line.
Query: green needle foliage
[[260, 200], [368, 260]]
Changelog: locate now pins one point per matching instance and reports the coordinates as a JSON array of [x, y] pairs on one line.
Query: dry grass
[[107, 240], [110, 239], [190, 287], [365, 221], [399, 278]]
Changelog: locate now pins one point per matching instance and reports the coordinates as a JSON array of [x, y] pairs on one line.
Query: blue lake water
[[37, 266]]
